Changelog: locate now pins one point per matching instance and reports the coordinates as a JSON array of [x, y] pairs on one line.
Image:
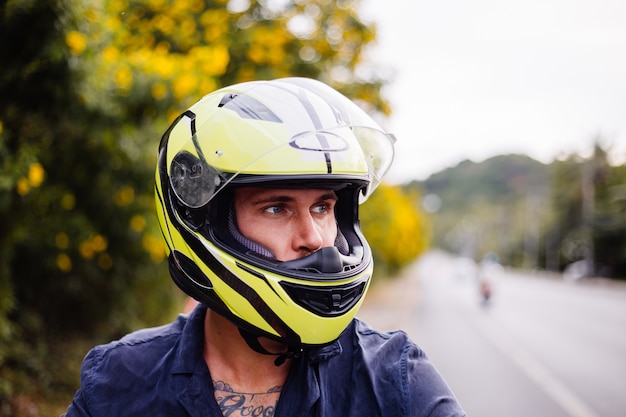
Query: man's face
[[290, 223]]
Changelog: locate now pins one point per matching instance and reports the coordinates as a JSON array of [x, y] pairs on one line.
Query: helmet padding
[[340, 241]]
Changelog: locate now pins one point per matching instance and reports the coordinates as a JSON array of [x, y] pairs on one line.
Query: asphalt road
[[542, 346]]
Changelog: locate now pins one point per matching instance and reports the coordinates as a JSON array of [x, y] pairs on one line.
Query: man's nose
[[308, 235]]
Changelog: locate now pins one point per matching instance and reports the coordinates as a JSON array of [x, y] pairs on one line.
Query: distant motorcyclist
[[488, 269]]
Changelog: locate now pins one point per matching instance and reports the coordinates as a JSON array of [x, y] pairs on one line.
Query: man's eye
[[273, 209], [321, 209]]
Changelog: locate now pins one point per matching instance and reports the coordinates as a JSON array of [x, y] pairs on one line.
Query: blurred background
[[499, 236]]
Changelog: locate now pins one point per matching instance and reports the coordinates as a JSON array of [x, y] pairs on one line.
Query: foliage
[[76, 247], [590, 220], [84, 96], [158, 56], [395, 227], [534, 215]]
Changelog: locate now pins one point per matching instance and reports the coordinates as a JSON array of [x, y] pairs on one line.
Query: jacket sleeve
[[426, 392], [78, 408], [404, 381], [80, 404]]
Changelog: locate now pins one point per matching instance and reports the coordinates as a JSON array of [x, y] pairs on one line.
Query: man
[[257, 190]]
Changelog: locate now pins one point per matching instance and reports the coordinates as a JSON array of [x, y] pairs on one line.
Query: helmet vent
[[327, 301], [248, 108]]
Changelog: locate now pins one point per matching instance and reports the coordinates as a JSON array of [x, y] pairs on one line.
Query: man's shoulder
[[135, 353], [141, 373], [381, 354], [148, 337], [380, 342]]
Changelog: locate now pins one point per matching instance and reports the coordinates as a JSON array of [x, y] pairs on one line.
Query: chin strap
[[252, 340]]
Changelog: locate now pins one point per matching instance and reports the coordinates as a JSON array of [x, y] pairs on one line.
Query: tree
[[75, 245], [395, 227], [589, 201], [162, 56]]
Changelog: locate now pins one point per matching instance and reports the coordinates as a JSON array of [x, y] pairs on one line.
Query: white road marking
[[557, 390]]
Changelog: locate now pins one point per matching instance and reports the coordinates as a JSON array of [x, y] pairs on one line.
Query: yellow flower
[[165, 24], [188, 26], [62, 240], [123, 78], [215, 59], [125, 196], [86, 249], [117, 6], [89, 248], [163, 65], [138, 222], [196, 6], [112, 23], [155, 247], [99, 243], [91, 15], [68, 201], [64, 263], [36, 174], [159, 91], [22, 186], [207, 84], [110, 54], [156, 4], [256, 54], [162, 48], [184, 85], [105, 261], [76, 41]]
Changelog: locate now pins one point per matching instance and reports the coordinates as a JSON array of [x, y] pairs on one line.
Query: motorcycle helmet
[[285, 133]]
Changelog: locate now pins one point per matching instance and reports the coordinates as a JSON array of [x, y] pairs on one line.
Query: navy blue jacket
[[161, 372]]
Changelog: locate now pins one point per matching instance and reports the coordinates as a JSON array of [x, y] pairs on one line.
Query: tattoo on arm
[[241, 404]]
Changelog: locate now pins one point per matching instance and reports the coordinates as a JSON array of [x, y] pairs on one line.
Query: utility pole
[[588, 192]]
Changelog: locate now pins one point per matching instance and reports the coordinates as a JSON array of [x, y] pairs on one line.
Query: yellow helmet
[[285, 133]]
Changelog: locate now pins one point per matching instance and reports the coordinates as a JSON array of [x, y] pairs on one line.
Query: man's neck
[[233, 363]]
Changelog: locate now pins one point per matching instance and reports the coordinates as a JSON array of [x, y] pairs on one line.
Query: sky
[[475, 79]]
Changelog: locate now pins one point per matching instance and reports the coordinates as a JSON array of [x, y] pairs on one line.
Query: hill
[[498, 179], [484, 206]]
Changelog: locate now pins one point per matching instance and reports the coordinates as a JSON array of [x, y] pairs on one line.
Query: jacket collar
[[301, 391], [189, 352]]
